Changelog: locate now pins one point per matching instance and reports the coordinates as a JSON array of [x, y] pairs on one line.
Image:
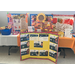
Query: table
[[9, 40], [65, 42], [14, 40]]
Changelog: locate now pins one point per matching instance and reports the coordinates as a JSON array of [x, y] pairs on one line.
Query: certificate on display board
[[19, 22], [39, 45], [63, 23]]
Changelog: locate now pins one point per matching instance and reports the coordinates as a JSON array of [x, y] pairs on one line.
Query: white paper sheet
[[68, 33], [30, 28]]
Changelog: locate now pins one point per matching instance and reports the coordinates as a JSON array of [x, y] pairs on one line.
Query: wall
[[3, 17]]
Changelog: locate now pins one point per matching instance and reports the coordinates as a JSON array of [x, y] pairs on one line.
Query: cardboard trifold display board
[[39, 45]]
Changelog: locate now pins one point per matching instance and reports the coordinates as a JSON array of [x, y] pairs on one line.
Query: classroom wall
[[3, 15]]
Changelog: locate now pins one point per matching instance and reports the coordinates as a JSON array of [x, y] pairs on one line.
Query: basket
[[6, 31]]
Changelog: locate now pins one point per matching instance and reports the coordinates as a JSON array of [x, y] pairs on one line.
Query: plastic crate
[[6, 31]]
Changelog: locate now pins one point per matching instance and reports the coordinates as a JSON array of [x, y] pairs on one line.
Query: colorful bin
[[6, 31]]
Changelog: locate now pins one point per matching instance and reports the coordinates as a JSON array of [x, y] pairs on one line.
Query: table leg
[[9, 50], [59, 50], [64, 53]]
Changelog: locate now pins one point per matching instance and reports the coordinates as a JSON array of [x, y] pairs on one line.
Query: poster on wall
[[33, 47], [62, 23], [42, 22], [19, 22]]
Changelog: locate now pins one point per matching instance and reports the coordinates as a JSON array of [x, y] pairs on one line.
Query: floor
[[14, 58]]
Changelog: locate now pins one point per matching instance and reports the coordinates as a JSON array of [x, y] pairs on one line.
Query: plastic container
[[6, 31], [73, 35]]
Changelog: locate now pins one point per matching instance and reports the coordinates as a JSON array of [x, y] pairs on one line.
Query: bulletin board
[[42, 22], [63, 23], [18, 22], [39, 45]]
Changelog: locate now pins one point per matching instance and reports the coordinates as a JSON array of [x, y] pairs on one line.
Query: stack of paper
[[68, 33]]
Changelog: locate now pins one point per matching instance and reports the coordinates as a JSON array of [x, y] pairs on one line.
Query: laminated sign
[[39, 45]]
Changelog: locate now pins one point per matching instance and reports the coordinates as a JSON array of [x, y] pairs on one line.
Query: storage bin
[[6, 31]]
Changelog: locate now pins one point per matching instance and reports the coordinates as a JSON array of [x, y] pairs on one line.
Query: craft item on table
[[1, 28], [61, 34], [9, 26], [68, 33], [73, 34]]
